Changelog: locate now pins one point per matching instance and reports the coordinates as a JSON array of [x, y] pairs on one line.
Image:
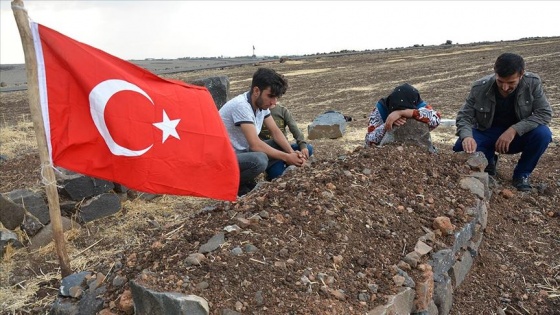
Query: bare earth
[[341, 222]]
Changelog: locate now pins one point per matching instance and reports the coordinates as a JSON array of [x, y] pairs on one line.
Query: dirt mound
[[338, 225]]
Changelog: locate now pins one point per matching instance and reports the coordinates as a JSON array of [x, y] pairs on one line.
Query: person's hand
[[295, 158], [469, 145], [502, 145], [394, 118], [305, 153]]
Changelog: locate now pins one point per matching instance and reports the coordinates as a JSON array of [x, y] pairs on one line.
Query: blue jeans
[[276, 168], [531, 145]]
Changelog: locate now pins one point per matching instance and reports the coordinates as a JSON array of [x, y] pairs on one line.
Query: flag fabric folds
[[110, 119]]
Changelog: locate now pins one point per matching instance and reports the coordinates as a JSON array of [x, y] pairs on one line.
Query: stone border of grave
[[447, 268]]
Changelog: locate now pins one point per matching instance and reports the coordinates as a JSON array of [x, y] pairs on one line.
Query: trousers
[[251, 163], [531, 146]]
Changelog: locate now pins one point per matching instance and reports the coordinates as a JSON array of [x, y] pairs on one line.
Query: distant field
[[13, 76]]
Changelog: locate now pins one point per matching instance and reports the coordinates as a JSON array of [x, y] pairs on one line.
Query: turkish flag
[[108, 118]]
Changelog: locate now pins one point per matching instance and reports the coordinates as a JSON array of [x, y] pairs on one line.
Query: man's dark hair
[[265, 78], [508, 64]]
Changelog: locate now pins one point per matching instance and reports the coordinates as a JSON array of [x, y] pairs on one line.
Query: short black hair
[[264, 78], [508, 64]]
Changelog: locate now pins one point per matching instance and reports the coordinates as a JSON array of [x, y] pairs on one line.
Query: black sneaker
[[491, 167], [245, 188], [522, 184]]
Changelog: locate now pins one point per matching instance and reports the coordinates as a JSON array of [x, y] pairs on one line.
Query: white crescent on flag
[[98, 98]]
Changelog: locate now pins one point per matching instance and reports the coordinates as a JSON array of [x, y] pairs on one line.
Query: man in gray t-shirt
[[244, 116]]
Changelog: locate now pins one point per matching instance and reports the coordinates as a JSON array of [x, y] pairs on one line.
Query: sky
[[175, 29]]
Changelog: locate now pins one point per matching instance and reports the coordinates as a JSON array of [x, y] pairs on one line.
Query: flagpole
[[47, 172]]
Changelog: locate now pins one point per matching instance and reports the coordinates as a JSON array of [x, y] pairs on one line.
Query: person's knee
[[251, 164], [543, 134], [275, 170], [458, 146], [537, 139], [261, 161]]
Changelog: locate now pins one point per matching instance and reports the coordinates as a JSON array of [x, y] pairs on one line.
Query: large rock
[[149, 302], [218, 88], [81, 187], [45, 235], [8, 237], [100, 206], [412, 132], [329, 125], [80, 294], [33, 202], [12, 214]]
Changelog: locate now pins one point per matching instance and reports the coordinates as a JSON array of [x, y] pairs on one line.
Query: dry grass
[[88, 247], [17, 139]]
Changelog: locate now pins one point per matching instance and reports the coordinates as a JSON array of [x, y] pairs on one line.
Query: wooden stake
[[47, 172]]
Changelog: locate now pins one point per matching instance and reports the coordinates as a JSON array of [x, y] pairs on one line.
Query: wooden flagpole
[[47, 172]]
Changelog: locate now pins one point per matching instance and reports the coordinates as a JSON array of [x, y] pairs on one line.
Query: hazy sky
[[174, 29]]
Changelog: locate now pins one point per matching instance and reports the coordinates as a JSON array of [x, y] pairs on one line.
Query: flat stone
[[149, 302], [45, 235], [33, 202], [12, 214], [473, 185], [212, 244], [329, 125], [100, 206], [461, 268], [413, 131]]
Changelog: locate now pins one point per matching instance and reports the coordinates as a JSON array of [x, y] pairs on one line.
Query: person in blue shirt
[[393, 111]]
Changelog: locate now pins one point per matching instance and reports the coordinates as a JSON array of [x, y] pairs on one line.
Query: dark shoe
[[522, 184], [246, 188], [491, 168]]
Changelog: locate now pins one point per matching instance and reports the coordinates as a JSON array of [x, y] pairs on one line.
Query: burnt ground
[[344, 220]]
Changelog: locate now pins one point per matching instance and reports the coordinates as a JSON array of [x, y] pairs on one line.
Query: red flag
[[108, 118]]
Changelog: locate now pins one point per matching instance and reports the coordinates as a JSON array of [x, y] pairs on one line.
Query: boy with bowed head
[[244, 117], [393, 111]]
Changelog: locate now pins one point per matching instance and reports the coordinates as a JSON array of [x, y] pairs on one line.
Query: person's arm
[[541, 111], [292, 125], [466, 119], [398, 118], [277, 134], [376, 128], [428, 116], [256, 144]]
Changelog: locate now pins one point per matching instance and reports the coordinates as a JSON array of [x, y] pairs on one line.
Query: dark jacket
[[531, 106]]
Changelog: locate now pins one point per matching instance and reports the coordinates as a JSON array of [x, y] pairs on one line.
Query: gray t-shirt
[[239, 111]]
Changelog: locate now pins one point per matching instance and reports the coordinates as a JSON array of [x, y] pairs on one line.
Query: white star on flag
[[168, 127]]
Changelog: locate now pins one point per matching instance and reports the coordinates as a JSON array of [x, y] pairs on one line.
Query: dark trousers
[[251, 164], [531, 145], [277, 167]]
